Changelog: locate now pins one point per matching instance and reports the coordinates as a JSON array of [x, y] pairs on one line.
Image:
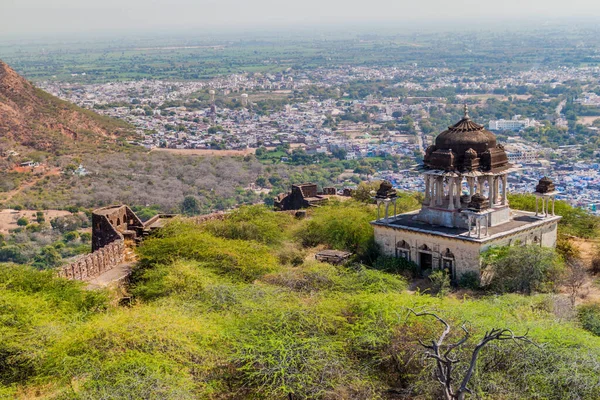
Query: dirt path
[[9, 195], [590, 292]]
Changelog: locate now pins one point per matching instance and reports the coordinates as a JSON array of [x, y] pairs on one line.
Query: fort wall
[[96, 263], [111, 226]]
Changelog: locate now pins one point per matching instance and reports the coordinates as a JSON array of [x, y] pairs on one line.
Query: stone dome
[[466, 146]]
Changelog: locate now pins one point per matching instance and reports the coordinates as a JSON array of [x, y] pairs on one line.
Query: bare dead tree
[[442, 353], [575, 278]]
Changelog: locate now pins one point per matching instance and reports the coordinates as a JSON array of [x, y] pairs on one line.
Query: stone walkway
[[119, 273]]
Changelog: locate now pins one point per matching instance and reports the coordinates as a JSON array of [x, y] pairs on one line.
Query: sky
[[45, 17]]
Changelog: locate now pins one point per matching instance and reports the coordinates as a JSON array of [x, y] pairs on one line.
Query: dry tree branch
[[441, 353]]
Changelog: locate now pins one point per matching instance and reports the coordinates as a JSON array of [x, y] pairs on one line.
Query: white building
[[514, 124], [465, 210]]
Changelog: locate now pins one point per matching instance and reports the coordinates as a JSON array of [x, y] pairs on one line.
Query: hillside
[[36, 119], [240, 309]]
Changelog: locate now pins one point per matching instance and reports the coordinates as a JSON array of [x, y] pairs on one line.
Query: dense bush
[[342, 226], [219, 318], [523, 269], [469, 280], [396, 265], [252, 223], [184, 240], [589, 317], [440, 283]]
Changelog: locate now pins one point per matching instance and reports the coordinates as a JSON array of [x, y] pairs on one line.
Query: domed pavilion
[[465, 208], [464, 155]]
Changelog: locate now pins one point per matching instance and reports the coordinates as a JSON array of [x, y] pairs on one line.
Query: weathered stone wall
[[465, 254], [110, 223], [96, 263], [209, 217]]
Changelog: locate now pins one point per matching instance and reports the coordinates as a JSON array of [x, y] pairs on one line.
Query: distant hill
[[36, 119]]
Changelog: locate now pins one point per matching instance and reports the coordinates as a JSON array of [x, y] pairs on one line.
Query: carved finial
[[466, 108]]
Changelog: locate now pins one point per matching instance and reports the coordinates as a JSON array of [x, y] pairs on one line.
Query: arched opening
[[425, 258], [403, 250], [448, 264]]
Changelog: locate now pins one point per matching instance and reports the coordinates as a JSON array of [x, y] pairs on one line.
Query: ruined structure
[[306, 195], [114, 229], [465, 210], [301, 196], [335, 257]]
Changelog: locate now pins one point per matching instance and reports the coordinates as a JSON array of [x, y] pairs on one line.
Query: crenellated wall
[[111, 227], [93, 264]]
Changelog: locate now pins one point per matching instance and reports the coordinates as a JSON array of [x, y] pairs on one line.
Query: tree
[[524, 269], [261, 181], [445, 362], [22, 221], [49, 257], [190, 206], [575, 277]]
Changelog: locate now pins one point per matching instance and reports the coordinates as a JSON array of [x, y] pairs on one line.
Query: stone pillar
[[471, 182], [480, 180], [536, 205], [496, 189], [451, 193], [553, 201], [427, 191], [440, 190], [504, 190], [491, 195], [470, 225], [458, 191]]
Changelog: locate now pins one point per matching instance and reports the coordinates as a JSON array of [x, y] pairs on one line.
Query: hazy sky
[[58, 16]]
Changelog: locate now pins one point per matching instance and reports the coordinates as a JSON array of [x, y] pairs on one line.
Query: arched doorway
[[425, 258]]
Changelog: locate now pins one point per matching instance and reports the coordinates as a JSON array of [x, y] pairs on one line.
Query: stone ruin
[[304, 196], [113, 229]]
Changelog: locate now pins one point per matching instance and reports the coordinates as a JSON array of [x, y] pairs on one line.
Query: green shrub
[[396, 265], [12, 253], [469, 280], [22, 221], [48, 257], [340, 225], [589, 317], [71, 236], [440, 283], [289, 254], [246, 260], [86, 237], [315, 276], [524, 269], [252, 223]]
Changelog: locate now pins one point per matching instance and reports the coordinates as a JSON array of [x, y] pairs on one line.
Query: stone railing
[[94, 264], [210, 217]]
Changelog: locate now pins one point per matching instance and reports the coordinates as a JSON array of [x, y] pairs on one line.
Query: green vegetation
[[46, 245], [589, 317], [216, 314], [575, 221], [522, 269]]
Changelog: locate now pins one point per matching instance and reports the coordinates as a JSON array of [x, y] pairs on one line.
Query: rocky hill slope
[[33, 118]]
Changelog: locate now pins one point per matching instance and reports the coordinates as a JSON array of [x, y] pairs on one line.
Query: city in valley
[[353, 112], [316, 200]]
